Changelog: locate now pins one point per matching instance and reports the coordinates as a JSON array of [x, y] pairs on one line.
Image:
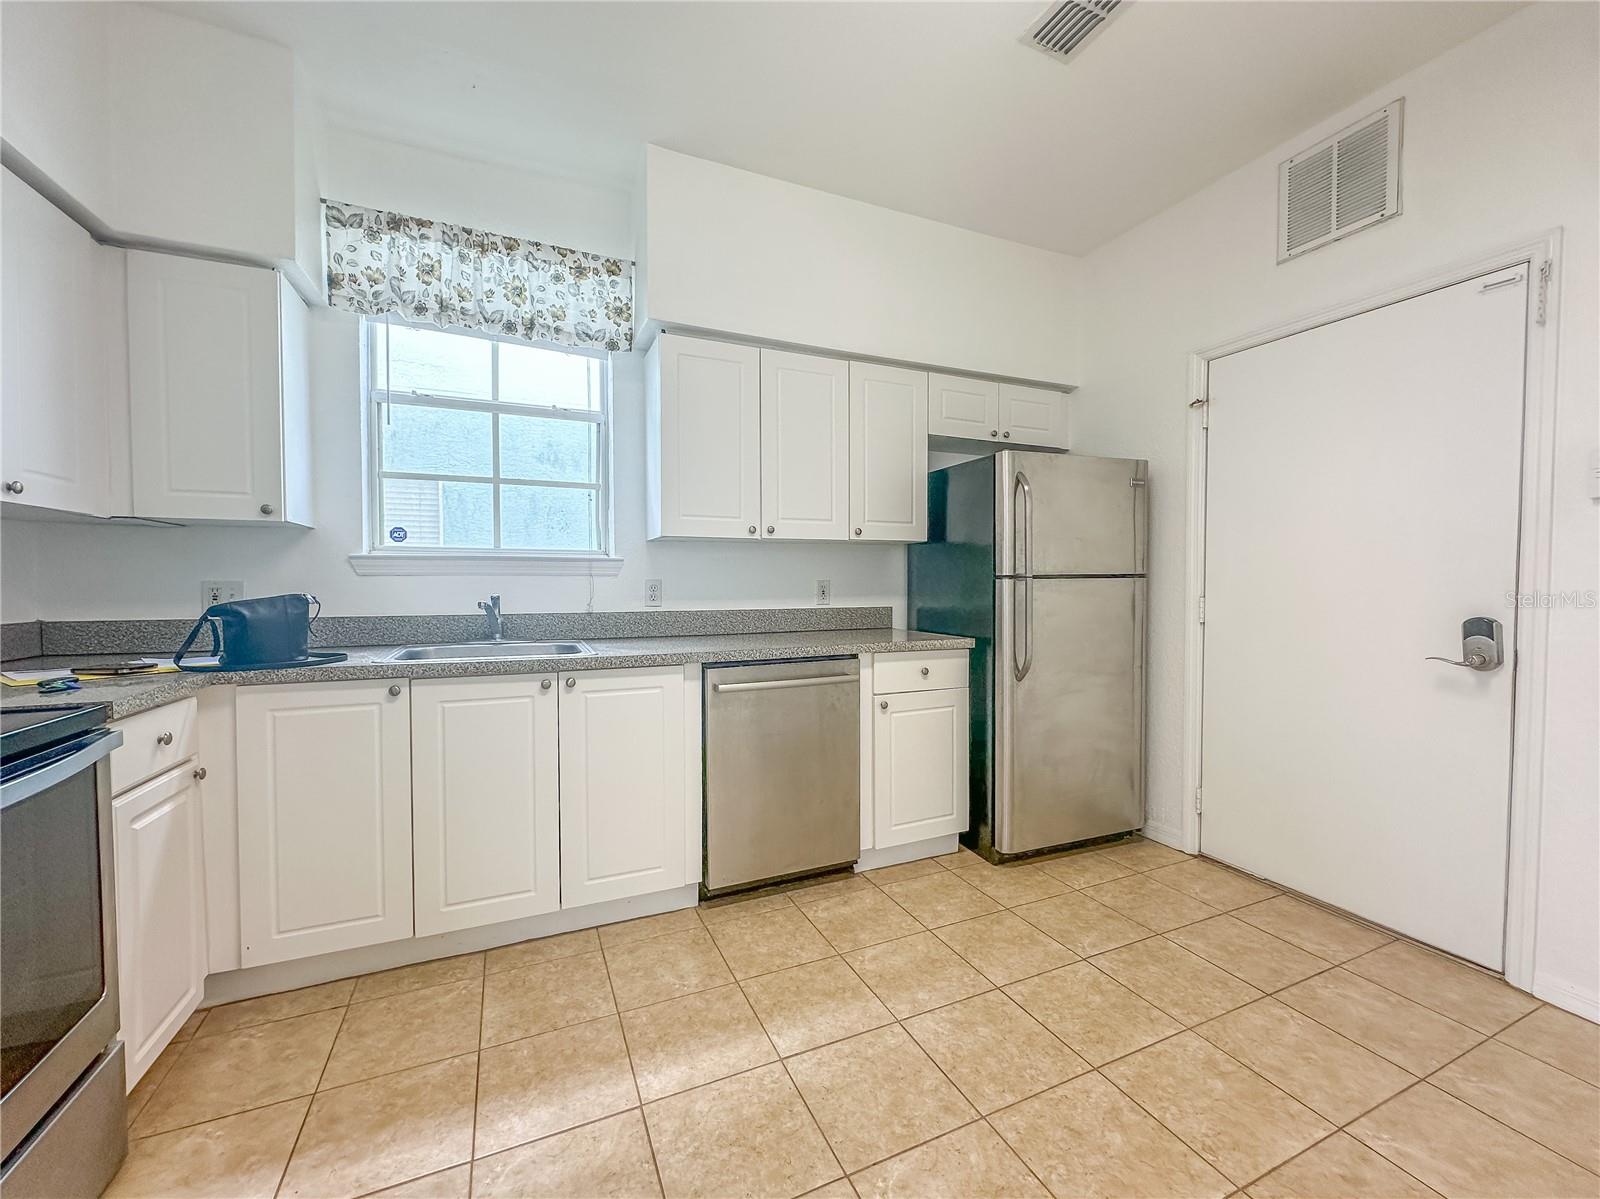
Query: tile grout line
[[305, 1116], [633, 1072]]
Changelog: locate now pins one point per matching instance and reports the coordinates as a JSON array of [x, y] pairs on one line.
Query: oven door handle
[[26, 786]]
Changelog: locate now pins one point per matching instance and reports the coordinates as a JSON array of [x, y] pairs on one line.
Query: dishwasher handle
[[822, 680]]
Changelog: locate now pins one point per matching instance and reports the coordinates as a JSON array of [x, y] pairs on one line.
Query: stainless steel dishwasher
[[783, 770]]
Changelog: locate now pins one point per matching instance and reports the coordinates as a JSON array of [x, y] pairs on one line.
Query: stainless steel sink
[[488, 651]]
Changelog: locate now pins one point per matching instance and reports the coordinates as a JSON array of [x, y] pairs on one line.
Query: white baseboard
[[305, 972], [1563, 994], [1164, 833], [872, 859]]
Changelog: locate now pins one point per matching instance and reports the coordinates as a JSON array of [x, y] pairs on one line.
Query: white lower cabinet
[[484, 801], [919, 765], [324, 817], [161, 925], [624, 794]]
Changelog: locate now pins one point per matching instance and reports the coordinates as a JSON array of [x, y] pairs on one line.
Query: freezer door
[[1066, 514], [1069, 671]]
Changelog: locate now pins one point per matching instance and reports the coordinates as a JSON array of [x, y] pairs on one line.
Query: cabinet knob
[[14, 487], [924, 672], [752, 528], [544, 684], [883, 704], [394, 689], [571, 682], [200, 774], [164, 739], [772, 528], [994, 432], [858, 532], [266, 509], [1007, 433]]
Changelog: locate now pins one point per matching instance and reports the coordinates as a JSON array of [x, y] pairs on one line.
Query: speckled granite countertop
[[130, 695]]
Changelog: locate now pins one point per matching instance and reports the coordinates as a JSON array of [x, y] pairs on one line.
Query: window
[[486, 444]]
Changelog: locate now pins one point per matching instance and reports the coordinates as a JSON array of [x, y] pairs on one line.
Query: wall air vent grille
[[1063, 28], [1343, 183]]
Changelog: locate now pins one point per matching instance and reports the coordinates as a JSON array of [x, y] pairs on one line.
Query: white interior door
[[1362, 502]]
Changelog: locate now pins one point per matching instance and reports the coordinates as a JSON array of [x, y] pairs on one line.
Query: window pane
[[444, 441], [547, 518], [423, 513], [534, 447], [529, 375], [433, 362]]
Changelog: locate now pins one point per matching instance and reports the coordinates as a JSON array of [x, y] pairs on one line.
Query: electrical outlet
[[824, 592], [219, 591], [652, 593]]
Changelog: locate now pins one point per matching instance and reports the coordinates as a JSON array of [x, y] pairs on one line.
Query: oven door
[[58, 956]]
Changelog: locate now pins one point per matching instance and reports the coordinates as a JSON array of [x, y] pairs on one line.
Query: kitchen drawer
[[152, 741], [918, 672]]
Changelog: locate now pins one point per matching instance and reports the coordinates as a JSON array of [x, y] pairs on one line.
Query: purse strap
[[206, 621]]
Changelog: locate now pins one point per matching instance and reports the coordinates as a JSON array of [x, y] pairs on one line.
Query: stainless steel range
[[62, 1081]]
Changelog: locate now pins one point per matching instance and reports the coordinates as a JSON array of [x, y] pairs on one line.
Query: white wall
[[732, 251], [61, 571], [1500, 146]]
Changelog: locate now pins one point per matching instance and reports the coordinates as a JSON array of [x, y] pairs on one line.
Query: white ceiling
[[935, 109]]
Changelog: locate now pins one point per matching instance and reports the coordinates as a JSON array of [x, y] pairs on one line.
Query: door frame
[[1540, 256]]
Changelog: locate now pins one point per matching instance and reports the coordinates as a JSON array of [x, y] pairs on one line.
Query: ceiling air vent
[[1344, 183], [1062, 28]]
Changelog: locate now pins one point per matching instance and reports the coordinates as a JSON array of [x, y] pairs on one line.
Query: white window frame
[[381, 557]]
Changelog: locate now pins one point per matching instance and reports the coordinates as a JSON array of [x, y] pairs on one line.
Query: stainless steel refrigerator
[[1041, 559]]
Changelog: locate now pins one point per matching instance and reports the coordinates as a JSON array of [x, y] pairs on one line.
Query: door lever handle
[[1482, 647]]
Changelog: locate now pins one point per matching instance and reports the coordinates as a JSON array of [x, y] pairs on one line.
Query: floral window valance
[[381, 262]]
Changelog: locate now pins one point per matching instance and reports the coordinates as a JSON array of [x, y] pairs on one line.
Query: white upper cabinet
[[805, 446], [703, 435], [54, 438], [625, 827], [218, 392], [324, 779], [1035, 416], [484, 800], [161, 924], [888, 453], [1004, 414], [968, 408]]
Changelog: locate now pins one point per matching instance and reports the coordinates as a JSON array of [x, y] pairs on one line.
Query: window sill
[[458, 562]]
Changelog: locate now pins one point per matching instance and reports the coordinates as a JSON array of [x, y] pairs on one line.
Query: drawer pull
[[924, 672], [164, 739], [200, 775]]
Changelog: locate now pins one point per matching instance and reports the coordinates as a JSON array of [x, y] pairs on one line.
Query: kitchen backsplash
[[158, 636]]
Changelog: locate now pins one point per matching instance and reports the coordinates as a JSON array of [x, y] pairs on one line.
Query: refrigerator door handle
[[1021, 489], [1024, 594]]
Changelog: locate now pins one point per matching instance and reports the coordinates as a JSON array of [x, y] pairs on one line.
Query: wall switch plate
[[824, 592], [220, 591], [652, 593]]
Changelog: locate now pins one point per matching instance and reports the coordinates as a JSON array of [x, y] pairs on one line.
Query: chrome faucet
[[493, 628]]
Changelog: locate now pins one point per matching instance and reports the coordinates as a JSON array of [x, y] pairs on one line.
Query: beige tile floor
[[1124, 1021]]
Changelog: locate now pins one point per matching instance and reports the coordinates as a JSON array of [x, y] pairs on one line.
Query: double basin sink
[[490, 651]]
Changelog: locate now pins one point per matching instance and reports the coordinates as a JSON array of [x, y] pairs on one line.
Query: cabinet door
[[805, 446], [54, 443], [919, 766], [161, 929], [485, 810], [623, 799], [968, 408], [888, 453], [703, 431], [1033, 416], [324, 817], [203, 384]]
